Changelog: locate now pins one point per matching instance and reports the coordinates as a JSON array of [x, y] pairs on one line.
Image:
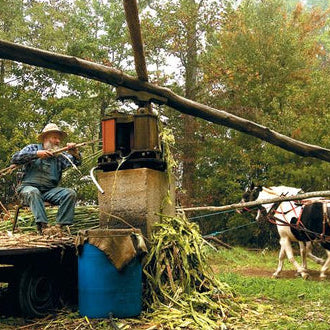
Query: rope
[[230, 229], [209, 215], [226, 230]]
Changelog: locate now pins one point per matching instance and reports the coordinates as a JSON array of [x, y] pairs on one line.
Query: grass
[[284, 303]]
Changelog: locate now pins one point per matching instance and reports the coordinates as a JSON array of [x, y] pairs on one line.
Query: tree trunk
[[189, 143]]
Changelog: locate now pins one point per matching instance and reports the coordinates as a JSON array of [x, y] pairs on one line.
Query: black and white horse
[[301, 222]]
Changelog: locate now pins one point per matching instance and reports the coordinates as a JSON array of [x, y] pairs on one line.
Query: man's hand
[[44, 154], [72, 149], [71, 145]]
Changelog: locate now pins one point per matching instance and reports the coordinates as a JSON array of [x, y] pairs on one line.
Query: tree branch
[[237, 206], [80, 67]]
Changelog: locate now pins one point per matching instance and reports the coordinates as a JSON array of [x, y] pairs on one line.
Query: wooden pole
[[70, 64], [13, 167], [78, 145], [237, 206], [133, 22]]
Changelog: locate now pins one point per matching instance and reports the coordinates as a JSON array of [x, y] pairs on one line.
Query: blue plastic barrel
[[103, 290]]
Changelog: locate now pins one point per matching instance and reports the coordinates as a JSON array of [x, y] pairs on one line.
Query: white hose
[[91, 173]]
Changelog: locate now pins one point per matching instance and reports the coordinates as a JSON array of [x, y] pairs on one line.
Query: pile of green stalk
[[85, 217], [181, 291]]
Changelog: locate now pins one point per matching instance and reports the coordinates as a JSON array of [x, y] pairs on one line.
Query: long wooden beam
[[237, 206], [108, 75]]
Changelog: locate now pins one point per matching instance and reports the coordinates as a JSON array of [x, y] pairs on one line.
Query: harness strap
[[299, 225], [325, 212], [293, 208], [299, 218]]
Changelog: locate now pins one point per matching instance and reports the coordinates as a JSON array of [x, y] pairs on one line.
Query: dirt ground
[[314, 275]]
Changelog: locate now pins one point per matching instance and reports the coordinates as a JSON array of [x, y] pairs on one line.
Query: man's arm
[[25, 155]]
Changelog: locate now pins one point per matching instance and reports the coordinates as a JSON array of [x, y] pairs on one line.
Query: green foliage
[[263, 54], [324, 4]]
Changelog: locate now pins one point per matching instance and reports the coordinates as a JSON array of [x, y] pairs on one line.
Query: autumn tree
[[266, 64]]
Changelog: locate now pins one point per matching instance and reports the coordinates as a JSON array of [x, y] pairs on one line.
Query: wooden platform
[[32, 242]]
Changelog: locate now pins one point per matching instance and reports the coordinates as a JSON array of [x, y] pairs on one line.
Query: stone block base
[[135, 198]]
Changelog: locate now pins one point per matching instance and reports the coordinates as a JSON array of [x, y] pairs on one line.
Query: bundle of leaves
[[181, 290]]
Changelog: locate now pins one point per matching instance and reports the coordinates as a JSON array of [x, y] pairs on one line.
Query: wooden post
[[133, 22]]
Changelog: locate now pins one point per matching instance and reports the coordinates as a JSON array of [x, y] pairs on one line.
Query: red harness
[[299, 225]]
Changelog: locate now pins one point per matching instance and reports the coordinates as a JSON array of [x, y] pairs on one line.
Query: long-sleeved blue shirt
[[43, 174]]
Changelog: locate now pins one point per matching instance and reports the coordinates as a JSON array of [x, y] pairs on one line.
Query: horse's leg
[[325, 266], [303, 254], [280, 261], [289, 253], [316, 259]]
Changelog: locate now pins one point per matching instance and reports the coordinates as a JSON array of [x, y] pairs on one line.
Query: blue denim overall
[[39, 185]]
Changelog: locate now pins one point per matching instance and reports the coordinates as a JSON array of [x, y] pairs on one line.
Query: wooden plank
[[31, 243]]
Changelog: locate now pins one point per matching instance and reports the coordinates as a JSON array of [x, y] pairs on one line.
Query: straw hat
[[51, 128]]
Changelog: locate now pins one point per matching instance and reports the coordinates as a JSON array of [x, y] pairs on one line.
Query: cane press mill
[[133, 187], [131, 171]]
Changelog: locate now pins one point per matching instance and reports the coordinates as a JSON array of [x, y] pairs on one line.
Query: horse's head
[[256, 193], [251, 193]]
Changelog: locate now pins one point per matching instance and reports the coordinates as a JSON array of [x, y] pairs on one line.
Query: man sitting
[[42, 172]]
